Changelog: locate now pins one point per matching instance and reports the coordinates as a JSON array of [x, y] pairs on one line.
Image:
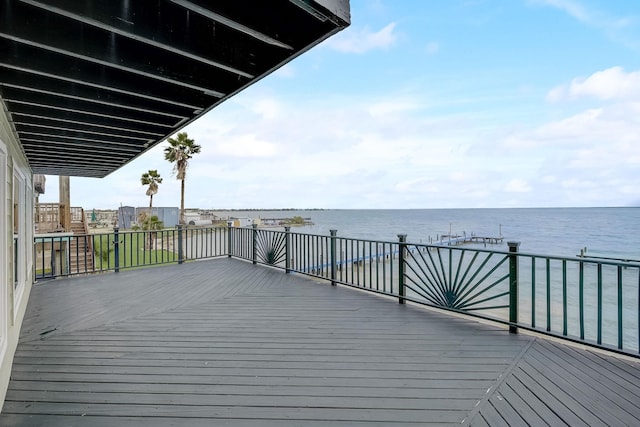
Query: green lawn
[[132, 250]]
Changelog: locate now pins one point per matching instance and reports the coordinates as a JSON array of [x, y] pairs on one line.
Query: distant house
[[244, 221], [128, 215]]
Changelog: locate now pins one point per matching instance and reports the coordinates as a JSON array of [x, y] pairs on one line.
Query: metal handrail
[[592, 301], [117, 249]]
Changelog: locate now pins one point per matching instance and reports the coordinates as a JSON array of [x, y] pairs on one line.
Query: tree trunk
[[150, 205], [182, 201]]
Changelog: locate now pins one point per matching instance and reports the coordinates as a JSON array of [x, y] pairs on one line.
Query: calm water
[[611, 232]]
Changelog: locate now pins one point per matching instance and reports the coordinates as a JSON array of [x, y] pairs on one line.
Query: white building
[[243, 221]]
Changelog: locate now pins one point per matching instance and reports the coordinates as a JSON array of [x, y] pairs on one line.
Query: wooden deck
[[226, 343]]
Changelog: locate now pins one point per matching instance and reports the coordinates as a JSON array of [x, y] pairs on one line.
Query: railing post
[[255, 243], [180, 248], [402, 246], [513, 286], [333, 256], [116, 249], [229, 224], [52, 263], [287, 258]]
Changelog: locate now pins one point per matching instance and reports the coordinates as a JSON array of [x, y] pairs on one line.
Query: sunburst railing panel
[[459, 279], [270, 247]]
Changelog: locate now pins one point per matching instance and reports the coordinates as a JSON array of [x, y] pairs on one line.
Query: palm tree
[[152, 179], [179, 151], [150, 224]]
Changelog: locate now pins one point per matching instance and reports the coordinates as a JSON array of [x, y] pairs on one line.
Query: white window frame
[[5, 278], [20, 182]]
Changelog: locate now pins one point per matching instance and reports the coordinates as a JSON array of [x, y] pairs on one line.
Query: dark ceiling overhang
[[89, 85]]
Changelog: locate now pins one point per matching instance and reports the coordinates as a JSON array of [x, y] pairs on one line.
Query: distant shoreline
[[262, 209]]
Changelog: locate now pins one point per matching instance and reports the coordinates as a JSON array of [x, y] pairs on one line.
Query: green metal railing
[[65, 255], [587, 299], [594, 301]]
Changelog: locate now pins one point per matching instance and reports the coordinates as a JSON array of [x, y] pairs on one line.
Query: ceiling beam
[[132, 33], [78, 137], [231, 23], [158, 76], [16, 104], [78, 125]]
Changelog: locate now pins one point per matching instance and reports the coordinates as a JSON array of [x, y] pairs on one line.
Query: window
[[20, 236]]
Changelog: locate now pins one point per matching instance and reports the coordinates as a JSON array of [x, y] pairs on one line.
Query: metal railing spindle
[[478, 282], [599, 278], [548, 295], [564, 297]]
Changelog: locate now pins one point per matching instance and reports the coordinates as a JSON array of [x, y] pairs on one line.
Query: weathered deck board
[[227, 343], [567, 385]]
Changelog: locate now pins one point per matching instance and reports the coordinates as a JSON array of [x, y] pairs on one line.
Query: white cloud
[[613, 128], [517, 186], [359, 41], [286, 71], [377, 7], [433, 48], [612, 83], [571, 7], [577, 184], [421, 185], [267, 108], [243, 146], [383, 108], [267, 149], [572, 128], [557, 94], [620, 29], [605, 157]]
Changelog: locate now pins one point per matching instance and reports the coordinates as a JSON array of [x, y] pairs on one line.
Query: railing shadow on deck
[[585, 300]]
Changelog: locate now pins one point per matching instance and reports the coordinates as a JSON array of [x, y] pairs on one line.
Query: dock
[[275, 222], [224, 342], [384, 256], [452, 240]]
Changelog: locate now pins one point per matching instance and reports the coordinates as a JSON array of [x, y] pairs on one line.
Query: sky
[[422, 104]]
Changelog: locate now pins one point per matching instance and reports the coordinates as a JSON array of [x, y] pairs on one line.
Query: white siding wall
[[16, 214]]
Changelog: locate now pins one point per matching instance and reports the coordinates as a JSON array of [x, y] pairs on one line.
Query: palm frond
[[151, 178]]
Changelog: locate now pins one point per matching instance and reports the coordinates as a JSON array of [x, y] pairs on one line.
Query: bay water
[[560, 232], [611, 232]]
